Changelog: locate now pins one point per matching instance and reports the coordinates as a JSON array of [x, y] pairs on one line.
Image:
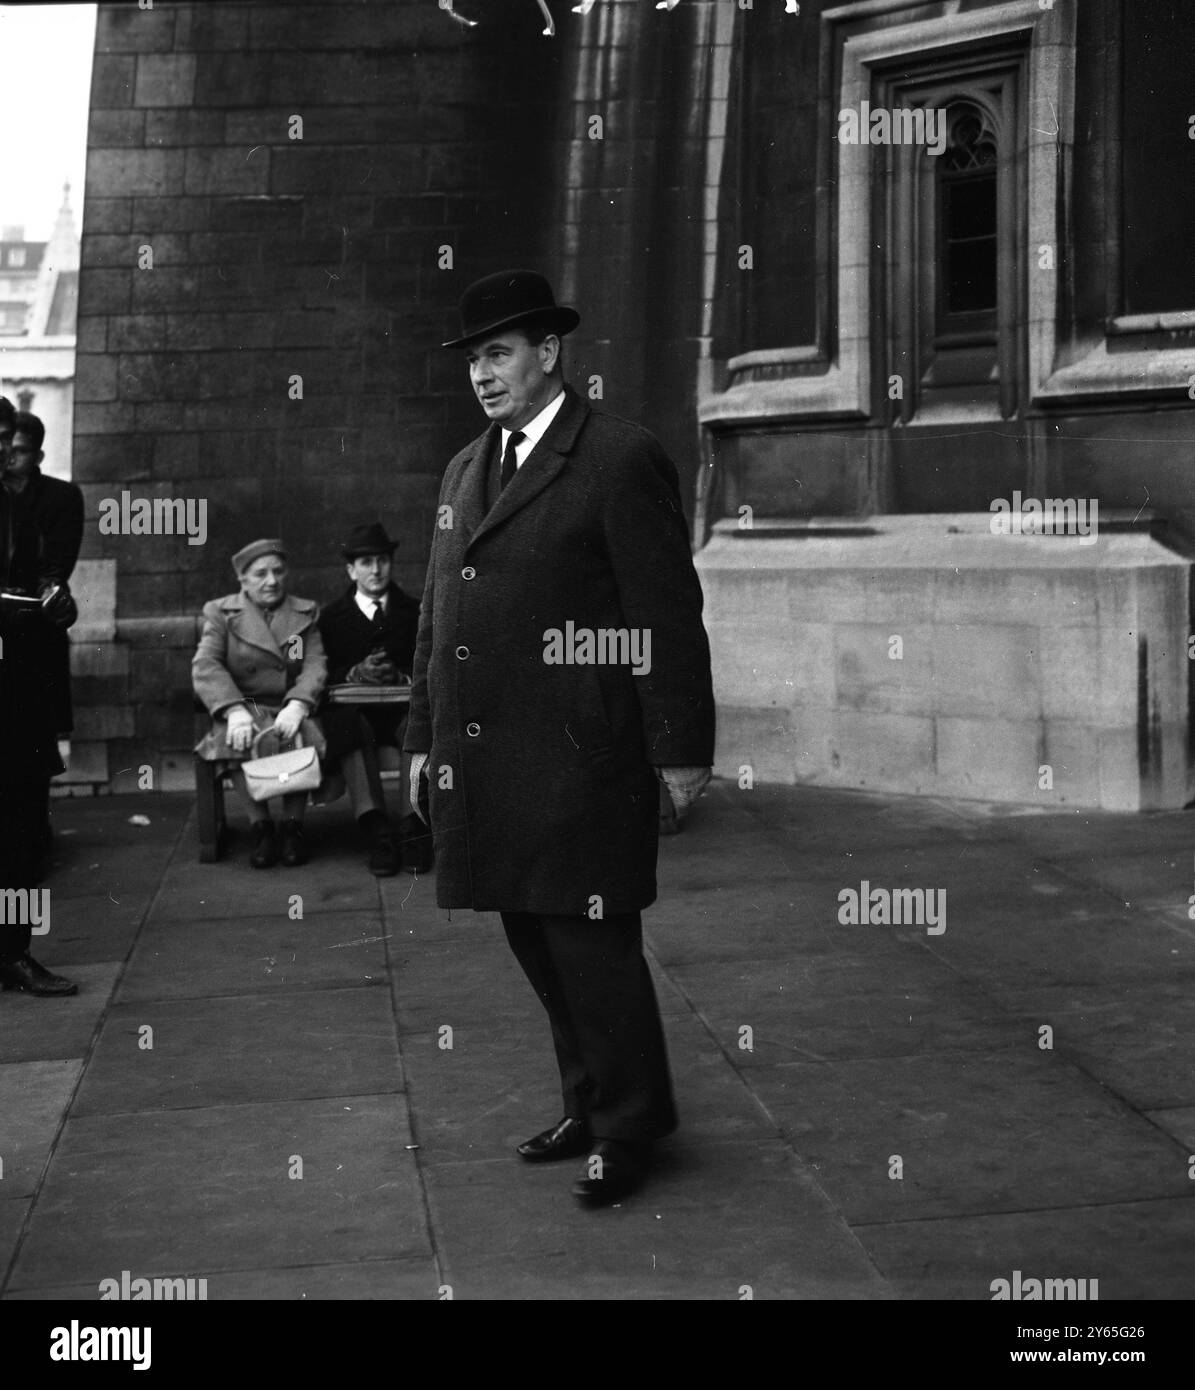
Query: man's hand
[[57, 604], [418, 763], [240, 728], [290, 716], [685, 785], [376, 669]]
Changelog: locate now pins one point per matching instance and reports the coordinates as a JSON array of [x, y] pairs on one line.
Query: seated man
[[369, 636]]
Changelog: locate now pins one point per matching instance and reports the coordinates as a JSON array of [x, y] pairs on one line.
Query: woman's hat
[[510, 297], [368, 540], [254, 551]]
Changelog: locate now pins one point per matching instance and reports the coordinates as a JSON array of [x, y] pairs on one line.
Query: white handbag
[[296, 770]]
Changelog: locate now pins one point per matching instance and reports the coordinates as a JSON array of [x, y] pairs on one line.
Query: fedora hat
[[509, 297], [368, 540]]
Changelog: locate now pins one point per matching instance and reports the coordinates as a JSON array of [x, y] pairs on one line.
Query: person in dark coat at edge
[[28, 751], [561, 671], [53, 508], [369, 639]]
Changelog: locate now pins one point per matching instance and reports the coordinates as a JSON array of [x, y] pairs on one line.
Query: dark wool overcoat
[[349, 636], [543, 794], [54, 509]]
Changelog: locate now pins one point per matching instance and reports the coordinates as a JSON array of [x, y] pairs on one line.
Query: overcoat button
[[462, 653], [468, 572], [473, 730]]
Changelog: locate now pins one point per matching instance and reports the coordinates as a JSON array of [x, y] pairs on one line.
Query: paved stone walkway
[[871, 1050]]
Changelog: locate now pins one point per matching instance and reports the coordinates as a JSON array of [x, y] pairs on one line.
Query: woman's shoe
[[294, 846], [265, 845]]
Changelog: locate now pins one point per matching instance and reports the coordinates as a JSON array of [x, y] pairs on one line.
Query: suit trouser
[[593, 981]]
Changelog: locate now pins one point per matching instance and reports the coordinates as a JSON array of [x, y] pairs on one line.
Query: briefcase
[[295, 770]]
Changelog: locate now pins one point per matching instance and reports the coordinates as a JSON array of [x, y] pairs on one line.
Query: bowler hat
[[254, 551], [510, 297], [368, 540]]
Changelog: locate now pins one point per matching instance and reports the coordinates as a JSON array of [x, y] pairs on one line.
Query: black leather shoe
[[383, 851], [613, 1169], [27, 975], [265, 845], [294, 846], [416, 840], [565, 1140]]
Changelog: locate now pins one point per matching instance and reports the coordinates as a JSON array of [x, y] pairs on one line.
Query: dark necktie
[[509, 461]]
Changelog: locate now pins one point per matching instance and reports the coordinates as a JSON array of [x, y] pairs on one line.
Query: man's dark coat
[[543, 797], [53, 508], [349, 636]]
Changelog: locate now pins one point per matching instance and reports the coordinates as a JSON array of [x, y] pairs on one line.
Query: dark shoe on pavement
[[294, 846], [27, 975], [265, 845], [567, 1139], [416, 840], [384, 857], [613, 1169]]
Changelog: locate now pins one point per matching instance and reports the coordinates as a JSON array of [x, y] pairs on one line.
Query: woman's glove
[[240, 728], [290, 716]]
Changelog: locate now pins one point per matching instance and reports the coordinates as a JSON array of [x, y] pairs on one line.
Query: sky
[[43, 111]]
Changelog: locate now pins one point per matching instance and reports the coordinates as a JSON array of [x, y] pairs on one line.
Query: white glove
[[240, 728], [290, 716], [418, 763], [685, 785]]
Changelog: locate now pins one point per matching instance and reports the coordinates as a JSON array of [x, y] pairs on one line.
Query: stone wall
[[274, 257]]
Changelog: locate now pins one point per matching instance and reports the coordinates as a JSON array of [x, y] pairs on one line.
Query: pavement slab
[[178, 1192], [253, 955], [237, 1050], [683, 1236], [975, 1132], [33, 1098], [1136, 1250], [33, 1029]]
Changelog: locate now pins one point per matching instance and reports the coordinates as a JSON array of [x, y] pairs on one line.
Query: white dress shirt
[[367, 605], [533, 431]]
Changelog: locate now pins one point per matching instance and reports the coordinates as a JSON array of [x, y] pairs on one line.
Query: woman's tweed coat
[[240, 658], [543, 795]]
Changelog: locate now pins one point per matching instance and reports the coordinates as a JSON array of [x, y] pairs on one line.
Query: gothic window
[[968, 268]]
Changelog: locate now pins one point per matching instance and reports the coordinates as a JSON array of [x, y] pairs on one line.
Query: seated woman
[[260, 665]]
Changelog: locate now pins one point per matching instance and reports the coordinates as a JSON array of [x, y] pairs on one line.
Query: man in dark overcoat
[[28, 759], [369, 639], [562, 668], [51, 511]]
